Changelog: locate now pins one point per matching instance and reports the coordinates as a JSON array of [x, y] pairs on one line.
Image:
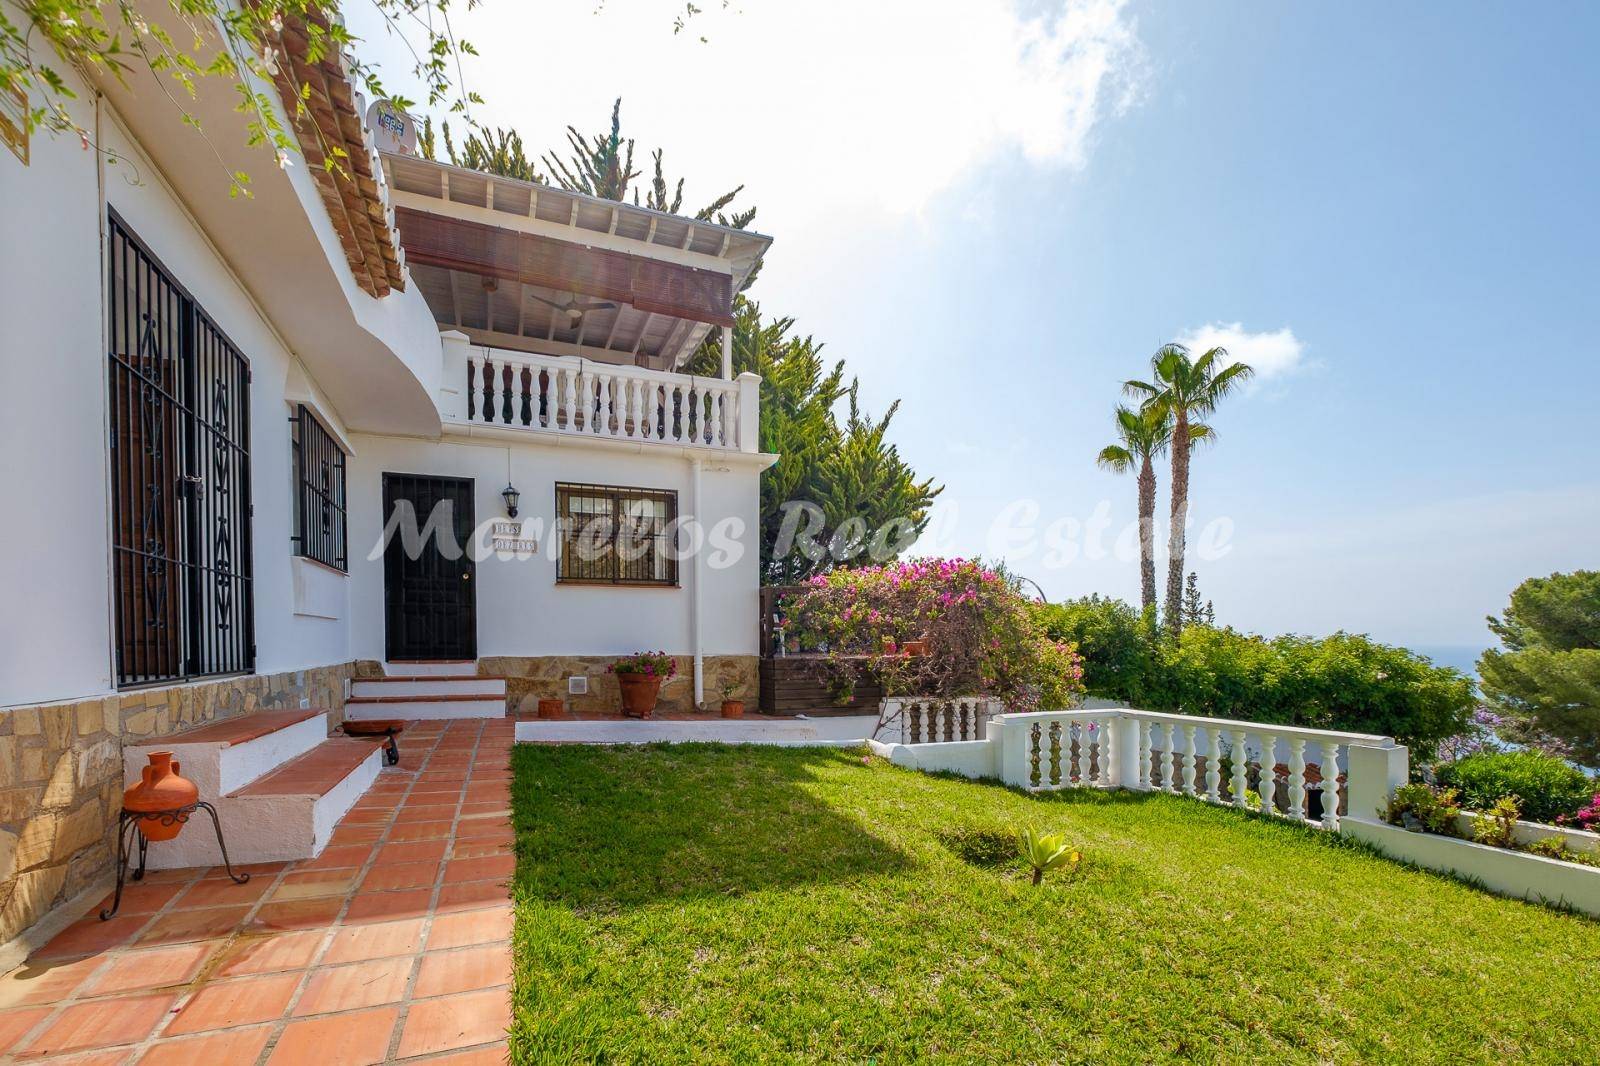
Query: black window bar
[[319, 497], [179, 441], [612, 535]]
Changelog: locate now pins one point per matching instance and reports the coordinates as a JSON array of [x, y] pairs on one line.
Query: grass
[[706, 903]]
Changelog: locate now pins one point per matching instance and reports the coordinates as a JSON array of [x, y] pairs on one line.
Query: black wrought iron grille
[[319, 492], [616, 536], [180, 468]]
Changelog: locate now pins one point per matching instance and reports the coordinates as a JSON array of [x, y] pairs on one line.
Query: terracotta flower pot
[[161, 789], [915, 648], [552, 708], [639, 694], [733, 708]]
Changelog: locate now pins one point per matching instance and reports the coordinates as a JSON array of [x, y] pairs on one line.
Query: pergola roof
[[492, 254]]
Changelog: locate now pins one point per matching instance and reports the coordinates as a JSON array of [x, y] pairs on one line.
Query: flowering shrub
[[1587, 818], [650, 663], [980, 635], [1547, 787]]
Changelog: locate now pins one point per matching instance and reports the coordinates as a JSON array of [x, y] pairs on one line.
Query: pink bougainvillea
[[980, 636]]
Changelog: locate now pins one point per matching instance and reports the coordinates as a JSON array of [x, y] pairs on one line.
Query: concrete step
[[430, 667], [288, 813], [222, 757], [467, 705], [429, 685]]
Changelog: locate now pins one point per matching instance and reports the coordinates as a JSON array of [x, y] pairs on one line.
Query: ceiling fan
[[573, 307]]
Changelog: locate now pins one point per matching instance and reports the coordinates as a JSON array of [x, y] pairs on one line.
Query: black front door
[[428, 574]]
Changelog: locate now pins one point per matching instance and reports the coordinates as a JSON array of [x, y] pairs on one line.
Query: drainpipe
[[694, 591]]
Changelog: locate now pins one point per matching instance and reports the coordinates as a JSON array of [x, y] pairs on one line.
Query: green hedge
[[1344, 681], [1548, 786]]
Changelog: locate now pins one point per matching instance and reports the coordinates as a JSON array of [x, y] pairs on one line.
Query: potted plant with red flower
[[640, 676]]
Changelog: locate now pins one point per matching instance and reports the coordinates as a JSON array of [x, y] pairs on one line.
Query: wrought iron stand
[[128, 828]]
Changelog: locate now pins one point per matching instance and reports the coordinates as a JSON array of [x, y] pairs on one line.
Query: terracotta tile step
[[315, 773], [430, 678], [243, 729]]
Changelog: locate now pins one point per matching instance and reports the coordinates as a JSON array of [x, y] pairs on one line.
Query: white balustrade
[[564, 394], [1177, 754], [927, 720]]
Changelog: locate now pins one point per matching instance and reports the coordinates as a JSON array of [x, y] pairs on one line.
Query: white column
[[454, 346], [1371, 776], [749, 412], [727, 353]]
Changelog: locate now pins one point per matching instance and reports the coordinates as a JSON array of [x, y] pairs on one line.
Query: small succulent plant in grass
[[1046, 851]]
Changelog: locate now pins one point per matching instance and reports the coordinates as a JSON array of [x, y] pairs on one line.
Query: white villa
[[215, 406]]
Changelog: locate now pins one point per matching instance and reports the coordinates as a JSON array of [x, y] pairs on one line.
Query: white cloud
[[1273, 353], [823, 108]]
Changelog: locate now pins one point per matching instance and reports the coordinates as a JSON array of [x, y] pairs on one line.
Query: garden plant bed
[[711, 903]]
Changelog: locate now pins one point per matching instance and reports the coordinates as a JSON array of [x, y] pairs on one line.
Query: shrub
[[1424, 808], [980, 845], [1116, 641], [1587, 818], [981, 635], [1548, 787], [1497, 826]]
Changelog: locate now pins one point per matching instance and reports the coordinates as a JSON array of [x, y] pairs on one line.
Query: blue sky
[[996, 212]]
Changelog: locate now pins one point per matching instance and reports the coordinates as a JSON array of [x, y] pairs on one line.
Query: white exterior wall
[[56, 634], [521, 610]]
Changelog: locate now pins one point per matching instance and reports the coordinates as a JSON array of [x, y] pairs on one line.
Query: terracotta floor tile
[[14, 1023], [120, 1056], [137, 971], [494, 1055], [140, 898], [268, 870], [347, 1040], [316, 913], [90, 936], [270, 954], [426, 813], [221, 892], [386, 906], [401, 875], [355, 834], [224, 1004], [471, 895], [414, 851], [45, 980], [346, 855], [480, 869], [309, 884], [102, 1023], [177, 927], [456, 1022], [214, 1049], [480, 849], [368, 816], [362, 984], [484, 926], [419, 830], [471, 830], [446, 972], [357, 943]]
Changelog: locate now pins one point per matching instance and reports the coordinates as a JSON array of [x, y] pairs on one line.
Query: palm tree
[[1144, 434], [1187, 390]]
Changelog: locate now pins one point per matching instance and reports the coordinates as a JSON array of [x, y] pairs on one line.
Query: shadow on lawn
[[625, 826]]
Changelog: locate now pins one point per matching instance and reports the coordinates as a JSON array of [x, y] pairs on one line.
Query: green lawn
[[707, 903]]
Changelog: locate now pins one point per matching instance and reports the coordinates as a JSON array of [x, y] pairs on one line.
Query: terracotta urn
[[162, 788], [733, 708], [915, 648], [552, 708], [639, 694]]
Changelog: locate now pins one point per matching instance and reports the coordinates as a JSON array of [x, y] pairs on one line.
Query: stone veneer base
[[532, 677]]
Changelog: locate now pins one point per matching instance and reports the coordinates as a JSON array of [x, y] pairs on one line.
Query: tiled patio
[[392, 945]]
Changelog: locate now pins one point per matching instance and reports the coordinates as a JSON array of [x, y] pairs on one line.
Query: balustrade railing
[[1276, 770], [920, 720], [568, 395]]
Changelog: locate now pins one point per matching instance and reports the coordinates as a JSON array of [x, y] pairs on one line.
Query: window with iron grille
[[616, 536], [319, 528]]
